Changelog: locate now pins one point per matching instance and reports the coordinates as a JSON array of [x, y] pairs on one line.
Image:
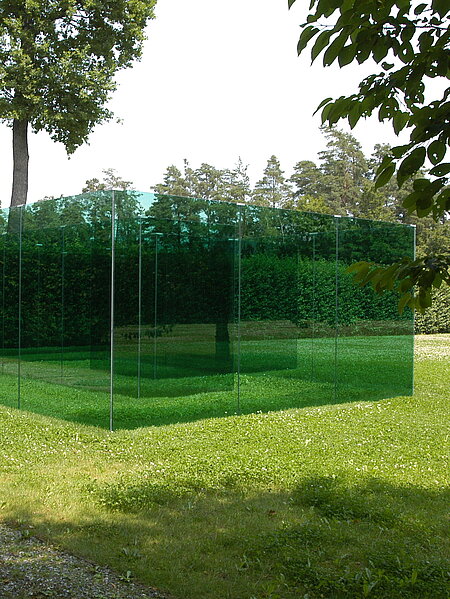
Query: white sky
[[218, 80]]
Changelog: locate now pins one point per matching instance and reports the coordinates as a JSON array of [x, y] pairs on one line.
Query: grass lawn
[[347, 500], [275, 374]]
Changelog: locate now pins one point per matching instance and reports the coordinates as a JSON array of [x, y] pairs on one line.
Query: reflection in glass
[[126, 309]]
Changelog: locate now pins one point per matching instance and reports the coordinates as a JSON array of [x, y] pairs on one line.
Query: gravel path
[[31, 569]]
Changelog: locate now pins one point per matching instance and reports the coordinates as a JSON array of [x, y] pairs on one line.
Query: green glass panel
[[99, 216], [10, 278], [173, 320], [187, 294], [127, 335], [218, 309], [287, 345], [88, 400], [41, 310], [375, 343], [61, 287]]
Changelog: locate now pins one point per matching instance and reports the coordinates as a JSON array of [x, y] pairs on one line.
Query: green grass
[[326, 502], [276, 374]]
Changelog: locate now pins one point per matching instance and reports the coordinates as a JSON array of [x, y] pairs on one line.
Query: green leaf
[[406, 53], [365, 44], [356, 266], [347, 55], [424, 298], [411, 164], [399, 121], [384, 176], [312, 18], [441, 170], [334, 48], [380, 49], [420, 184], [424, 205], [354, 115], [321, 43], [425, 41], [410, 201], [399, 151], [407, 33], [420, 8], [361, 274], [306, 35], [322, 104], [403, 302], [441, 7], [326, 111], [437, 281], [338, 111], [406, 284], [386, 161], [347, 6], [436, 151], [442, 203], [290, 3]]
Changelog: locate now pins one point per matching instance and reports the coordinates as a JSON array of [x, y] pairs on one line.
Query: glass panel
[[187, 349], [65, 324], [323, 330], [10, 273], [287, 341], [41, 310], [127, 320], [218, 309], [81, 291], [375, 343], [99, 216]]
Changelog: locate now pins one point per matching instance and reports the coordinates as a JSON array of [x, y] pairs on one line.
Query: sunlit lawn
[[335, 501]]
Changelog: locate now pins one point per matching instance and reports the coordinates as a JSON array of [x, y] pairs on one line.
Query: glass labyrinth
[[128, 309]]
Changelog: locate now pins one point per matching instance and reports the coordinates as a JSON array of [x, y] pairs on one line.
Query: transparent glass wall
[[125, 309]]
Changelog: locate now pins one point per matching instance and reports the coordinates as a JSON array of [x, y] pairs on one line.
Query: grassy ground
[[337, 501], [275, 374]]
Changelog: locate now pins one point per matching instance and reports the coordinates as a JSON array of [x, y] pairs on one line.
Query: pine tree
[[344, 168], [273, 189]]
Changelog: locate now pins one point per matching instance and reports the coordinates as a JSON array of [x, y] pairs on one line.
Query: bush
[[437, 318], [285, 288]]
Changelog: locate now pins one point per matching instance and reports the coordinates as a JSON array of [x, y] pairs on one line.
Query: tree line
[[340, 182]]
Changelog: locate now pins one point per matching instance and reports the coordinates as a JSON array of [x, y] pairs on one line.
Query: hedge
[[437, 318]]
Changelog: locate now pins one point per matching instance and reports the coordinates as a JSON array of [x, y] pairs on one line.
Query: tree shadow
[[325, 538]]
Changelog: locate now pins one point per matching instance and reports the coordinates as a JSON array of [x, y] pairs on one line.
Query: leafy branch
[[411, 43]]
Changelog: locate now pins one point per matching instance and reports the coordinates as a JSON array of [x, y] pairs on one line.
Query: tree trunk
[[20, 163], [223, 354]]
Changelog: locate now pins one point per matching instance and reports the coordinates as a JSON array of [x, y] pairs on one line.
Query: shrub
[[437, 318]]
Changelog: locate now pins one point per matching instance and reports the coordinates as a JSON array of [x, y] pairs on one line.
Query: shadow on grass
[[275, 375], [259, 393], [326, 538]]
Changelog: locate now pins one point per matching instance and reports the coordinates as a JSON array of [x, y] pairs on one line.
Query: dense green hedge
[[195, 285], [280, 288], [437, 318]]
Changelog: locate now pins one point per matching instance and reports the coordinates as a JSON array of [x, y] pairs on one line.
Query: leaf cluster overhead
[[410, 43]]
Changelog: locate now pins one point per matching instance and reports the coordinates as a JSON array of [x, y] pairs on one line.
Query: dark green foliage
[[57, 65], [411, 44], [277, 288], [239, 302], [437, 318]]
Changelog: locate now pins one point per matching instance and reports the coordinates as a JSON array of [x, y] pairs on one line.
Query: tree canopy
[[410, 42], [58, 59]]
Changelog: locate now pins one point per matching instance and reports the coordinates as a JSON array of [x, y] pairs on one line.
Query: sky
[[217, 81]]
